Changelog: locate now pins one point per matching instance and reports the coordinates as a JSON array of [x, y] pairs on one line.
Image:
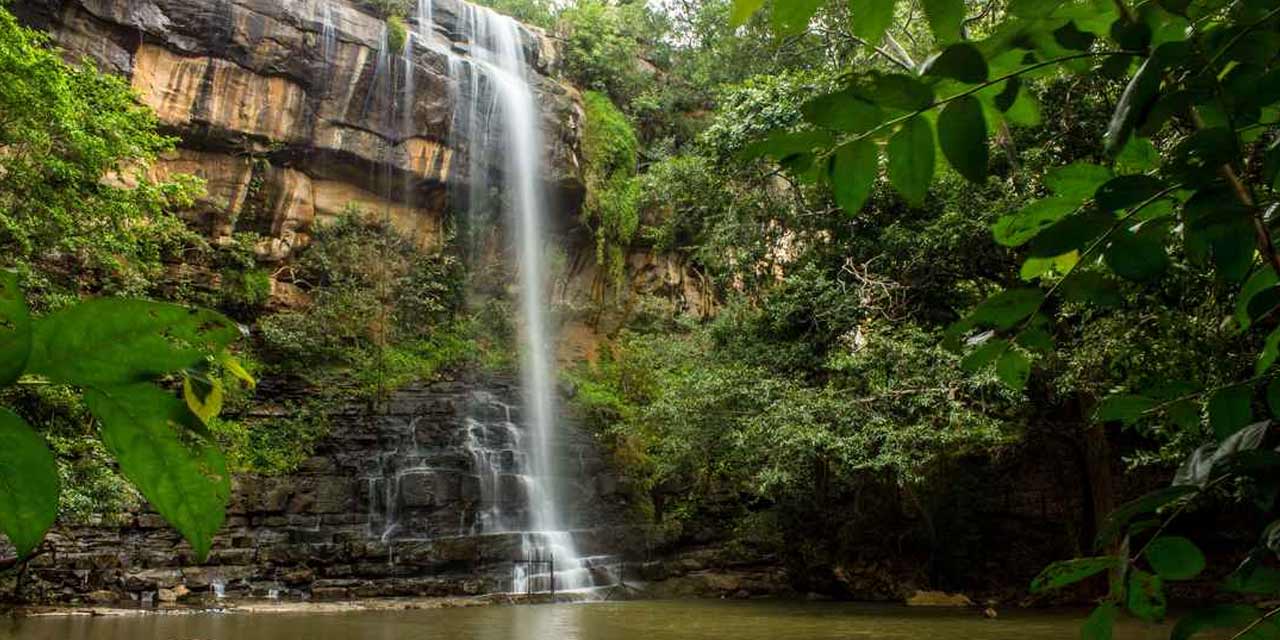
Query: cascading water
[[508, 472], [328, 34], [502, 102]]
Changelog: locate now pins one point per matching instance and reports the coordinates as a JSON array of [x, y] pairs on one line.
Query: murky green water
[[692, 620]]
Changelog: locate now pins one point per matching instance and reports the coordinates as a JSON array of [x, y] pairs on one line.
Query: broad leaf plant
[[1192, 159]]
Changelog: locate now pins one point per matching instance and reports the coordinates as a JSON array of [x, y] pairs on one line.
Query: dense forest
[[945, 240]]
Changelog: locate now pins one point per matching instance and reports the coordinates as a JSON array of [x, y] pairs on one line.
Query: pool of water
[[648, 620]]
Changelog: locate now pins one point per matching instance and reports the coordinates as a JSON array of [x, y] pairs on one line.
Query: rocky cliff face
[[385, 508], [287, 126]]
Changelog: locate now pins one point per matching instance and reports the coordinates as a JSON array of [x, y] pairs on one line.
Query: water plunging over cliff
[[502, 102]]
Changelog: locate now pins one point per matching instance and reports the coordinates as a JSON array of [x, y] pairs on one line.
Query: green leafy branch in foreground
[[1189, 175], [116, 351]]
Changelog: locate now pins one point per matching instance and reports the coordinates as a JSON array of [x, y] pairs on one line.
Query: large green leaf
[[897, 91], [1194, 160], [1261, 280], [1007, 308], [1200, 466], [1013, 369], [1065, 572], [1119, 518], [1093, 288], [1074, 232], [111, 341], [984, 355], [871, 18], [842, 111], [1146, 598], [1020, 227], [1123, 192], [961, 61], [1100, 624], [1134, 102], [791, 17], [1230, 410], [1220, 616], [1123, 407], [183, 476], [28, 483], [1137, 256], [743, 10], [1270, 352], [946, 18], [912, 160], [854, 167], [1175, 558], [1253, 578], [962, 134], [1077, 181], [15, 329], [781, 144]]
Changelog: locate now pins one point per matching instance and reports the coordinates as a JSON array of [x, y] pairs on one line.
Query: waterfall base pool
[[643, 620]]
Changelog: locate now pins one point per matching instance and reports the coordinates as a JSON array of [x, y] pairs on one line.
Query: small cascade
[[218, 588], [380, 74], [425, 20], [328, 34]]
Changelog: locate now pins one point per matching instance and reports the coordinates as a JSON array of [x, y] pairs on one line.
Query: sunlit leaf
[[743, 10], [1020, 227], [1077, 181], [854, 167]]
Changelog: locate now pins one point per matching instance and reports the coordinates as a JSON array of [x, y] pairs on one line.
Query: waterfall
[[425, 20], [502, 103], [328, 33]]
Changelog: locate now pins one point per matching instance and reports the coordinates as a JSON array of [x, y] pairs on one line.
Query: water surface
[[649, 620]]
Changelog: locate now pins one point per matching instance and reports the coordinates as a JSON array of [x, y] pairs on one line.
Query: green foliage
[[76, 207], [602, 46], [1061, 574], [611, 210], [273, 446], [397, 34], [112, 349], [380, 313], [1167, 192]]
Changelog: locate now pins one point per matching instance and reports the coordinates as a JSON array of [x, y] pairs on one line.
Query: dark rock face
[[336, 528]]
